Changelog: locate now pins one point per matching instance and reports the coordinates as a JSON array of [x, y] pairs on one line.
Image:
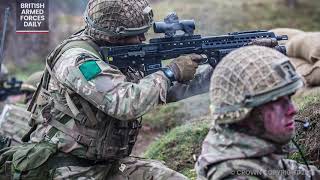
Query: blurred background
[[25, 53]]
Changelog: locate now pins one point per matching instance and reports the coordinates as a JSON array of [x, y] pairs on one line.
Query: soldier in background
[[252, 115], [90, 110], [14, 117], [3, 78]]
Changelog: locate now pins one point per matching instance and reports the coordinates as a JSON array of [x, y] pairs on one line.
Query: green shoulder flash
[[90, 69]]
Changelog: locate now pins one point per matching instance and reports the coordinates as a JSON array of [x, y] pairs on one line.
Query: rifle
[[10, 87], [148, 57], [7, 86]]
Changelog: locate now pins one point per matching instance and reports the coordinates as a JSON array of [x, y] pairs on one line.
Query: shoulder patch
[[90, 69]]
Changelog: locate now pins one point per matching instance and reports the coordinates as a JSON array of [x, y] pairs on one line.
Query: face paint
[[278, 119], [129, 40]]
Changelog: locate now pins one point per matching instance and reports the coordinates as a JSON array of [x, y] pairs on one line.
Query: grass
[[304, 101], [179, 147], [22, 73], [296, 155], [164, 118]]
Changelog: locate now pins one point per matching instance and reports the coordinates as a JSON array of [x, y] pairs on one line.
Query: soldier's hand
[[184, 67]]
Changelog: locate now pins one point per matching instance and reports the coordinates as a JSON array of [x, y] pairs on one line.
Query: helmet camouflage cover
[[249, 77], [117, 18]]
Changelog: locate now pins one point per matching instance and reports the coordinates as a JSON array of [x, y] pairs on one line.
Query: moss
[[180, 147]]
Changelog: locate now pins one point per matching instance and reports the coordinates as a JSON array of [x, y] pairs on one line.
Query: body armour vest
[[104, 137]]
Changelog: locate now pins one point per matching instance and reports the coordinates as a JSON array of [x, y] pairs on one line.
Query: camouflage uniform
[[90, 110], [247, 78], [14, 122], [14, 117], [228, 154]]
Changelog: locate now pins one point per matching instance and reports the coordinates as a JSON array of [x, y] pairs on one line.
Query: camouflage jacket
[[14, 122], [227, 154], [81, 76]]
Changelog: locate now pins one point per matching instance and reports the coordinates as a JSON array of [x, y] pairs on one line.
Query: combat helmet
[[249, 77], [117, 18], [30, 85]]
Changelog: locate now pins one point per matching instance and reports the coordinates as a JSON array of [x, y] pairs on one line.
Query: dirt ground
[[146, 136]]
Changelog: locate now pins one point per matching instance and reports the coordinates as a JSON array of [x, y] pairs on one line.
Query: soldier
[[14, 118], [90, 109], [3, 78], [252, 115]]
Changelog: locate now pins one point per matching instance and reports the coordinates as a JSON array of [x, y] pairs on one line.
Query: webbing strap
[[88, 111], [82, 119], [80, 138], [75, 111], [64, 119]]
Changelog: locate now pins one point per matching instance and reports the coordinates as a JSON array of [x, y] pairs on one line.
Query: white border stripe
[[31, 31]]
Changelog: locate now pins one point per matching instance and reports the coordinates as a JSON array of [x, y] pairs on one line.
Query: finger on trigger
[[196, 58]]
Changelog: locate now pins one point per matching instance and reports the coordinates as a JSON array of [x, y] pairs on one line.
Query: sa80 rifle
[[147, 57]]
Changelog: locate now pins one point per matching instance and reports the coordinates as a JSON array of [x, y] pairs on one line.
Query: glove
[[184, 67]]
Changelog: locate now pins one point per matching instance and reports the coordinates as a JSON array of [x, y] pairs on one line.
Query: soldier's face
[[278, 119], [131, 40]]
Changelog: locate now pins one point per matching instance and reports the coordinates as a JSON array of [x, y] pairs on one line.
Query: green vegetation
[[180, 147], [22, 73], [307, 98], [296, 155]]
